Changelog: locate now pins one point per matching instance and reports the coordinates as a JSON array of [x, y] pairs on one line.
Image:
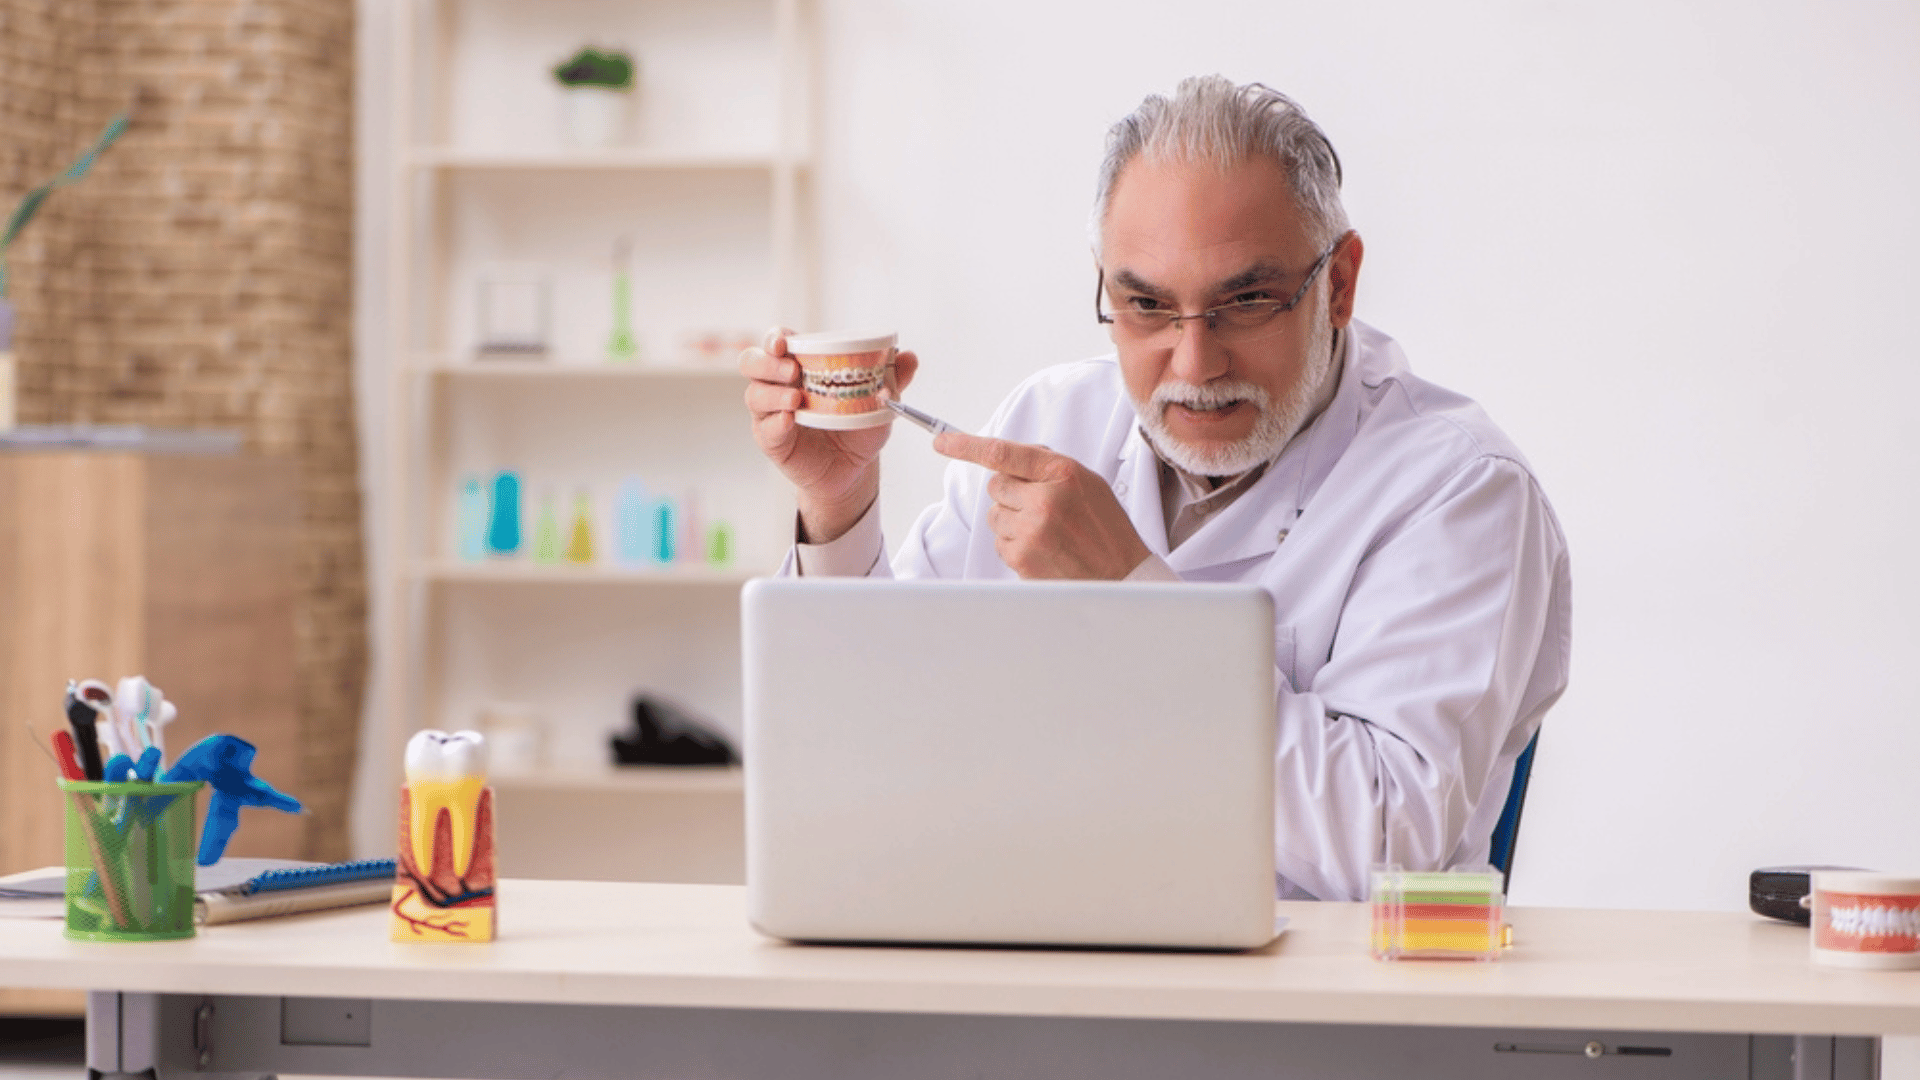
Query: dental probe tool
[[933, 425]]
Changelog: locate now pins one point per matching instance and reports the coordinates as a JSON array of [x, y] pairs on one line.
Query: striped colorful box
[[1449, 915]]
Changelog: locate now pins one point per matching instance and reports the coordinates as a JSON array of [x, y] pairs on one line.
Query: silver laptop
[[1018, 763]]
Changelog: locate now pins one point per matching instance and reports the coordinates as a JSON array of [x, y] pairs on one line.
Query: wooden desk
[[180, 567], [636, 980]]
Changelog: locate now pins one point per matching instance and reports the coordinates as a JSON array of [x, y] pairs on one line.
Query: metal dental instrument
[[932, 424]]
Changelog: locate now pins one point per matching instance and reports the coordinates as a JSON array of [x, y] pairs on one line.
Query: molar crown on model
[[445, 771]]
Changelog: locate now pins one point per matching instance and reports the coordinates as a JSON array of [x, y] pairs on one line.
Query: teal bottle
[[665, 535], [503, 524]]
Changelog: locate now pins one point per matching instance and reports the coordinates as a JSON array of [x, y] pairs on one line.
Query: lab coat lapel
[[1137, 485], [1249, 528], [1264, 515]]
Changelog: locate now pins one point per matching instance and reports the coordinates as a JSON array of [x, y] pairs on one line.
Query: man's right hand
[[836, 474]]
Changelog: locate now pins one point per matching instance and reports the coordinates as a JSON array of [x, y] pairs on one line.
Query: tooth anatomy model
[[443, 890]]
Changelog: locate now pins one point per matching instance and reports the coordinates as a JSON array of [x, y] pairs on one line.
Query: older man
[[1249, 429]]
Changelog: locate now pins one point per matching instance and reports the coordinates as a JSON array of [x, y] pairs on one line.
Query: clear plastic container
[[1438, 915]]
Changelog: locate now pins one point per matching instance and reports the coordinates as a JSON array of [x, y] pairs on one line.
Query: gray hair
[[1210, 120]]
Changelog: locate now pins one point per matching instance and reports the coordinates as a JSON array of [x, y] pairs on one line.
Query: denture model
[[842, 375], [443, 889], [1866, 920]]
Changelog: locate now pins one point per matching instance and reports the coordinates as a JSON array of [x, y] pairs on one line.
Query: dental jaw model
[[842, 375], [444, 887]]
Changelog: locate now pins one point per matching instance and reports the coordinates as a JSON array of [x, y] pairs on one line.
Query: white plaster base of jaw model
[[1865, 920], [444, 772], [843, 376]]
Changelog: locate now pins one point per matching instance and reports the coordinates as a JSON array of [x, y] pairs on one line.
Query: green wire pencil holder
[[129, 860]]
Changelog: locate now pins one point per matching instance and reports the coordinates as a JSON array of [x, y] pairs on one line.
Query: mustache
[[1211, 395]]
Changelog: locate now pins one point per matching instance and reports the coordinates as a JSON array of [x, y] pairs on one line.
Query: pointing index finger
[[1018, 460]]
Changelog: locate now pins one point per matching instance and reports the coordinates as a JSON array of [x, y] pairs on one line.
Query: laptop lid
[[1010, 762]]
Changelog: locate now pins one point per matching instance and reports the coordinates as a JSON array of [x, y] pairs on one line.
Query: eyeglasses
[[1236, 322]]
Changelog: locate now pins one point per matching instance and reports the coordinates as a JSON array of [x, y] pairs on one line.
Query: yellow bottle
[[580, 539]]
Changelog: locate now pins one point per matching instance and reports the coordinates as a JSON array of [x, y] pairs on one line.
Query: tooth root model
[[443, 890]]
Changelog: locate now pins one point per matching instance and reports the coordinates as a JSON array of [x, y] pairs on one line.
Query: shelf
[[628, 159], [636, 779], [562, 370], [522, 571], [707, 206]]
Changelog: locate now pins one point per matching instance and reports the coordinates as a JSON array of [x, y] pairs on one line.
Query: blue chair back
[[1506, 832]]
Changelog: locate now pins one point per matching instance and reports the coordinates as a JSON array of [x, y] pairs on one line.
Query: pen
[[932, 424], [90, 827], [64, 754]]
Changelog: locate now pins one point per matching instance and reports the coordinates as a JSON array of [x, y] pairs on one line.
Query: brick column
[[201, 276]]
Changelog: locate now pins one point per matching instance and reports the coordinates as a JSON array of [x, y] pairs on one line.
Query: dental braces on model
[[845, 378], [844, 384]]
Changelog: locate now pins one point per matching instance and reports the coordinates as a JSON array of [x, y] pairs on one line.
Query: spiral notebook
[[291, 890], [308, 877], [233, 889]]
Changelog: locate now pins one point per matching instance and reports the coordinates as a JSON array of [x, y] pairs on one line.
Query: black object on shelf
[[666, 734], [1779, 892]]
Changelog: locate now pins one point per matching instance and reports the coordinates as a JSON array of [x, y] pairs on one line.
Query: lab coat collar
[[1256, 523]]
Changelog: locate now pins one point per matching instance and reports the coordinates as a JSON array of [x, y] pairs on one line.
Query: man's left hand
[[1052, 517]]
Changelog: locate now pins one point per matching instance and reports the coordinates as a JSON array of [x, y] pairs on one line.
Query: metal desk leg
[[152, 1036]]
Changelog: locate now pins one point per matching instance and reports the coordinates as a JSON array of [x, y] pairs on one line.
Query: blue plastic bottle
[[503, 528], [630, 524], [471, 525], [664, 535]]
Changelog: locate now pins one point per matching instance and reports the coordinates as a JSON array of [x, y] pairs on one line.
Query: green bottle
[[621, 347], [546, 533], [720, 544]]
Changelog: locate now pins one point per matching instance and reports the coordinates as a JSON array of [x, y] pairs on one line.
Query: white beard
[[1275, 426]]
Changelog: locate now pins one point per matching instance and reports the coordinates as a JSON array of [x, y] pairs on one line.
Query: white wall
[[1669, 246]]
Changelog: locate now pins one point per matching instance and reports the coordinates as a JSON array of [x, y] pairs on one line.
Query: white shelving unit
[[708, 194]]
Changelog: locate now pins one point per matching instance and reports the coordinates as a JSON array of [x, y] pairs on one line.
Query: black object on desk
[[665, 734], [1780, 892]]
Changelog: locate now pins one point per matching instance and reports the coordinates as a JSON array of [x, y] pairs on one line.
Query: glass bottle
[[621, 347], [546, 532], [580, 536]]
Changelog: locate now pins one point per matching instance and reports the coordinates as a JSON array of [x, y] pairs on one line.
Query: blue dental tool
[[225, 762]]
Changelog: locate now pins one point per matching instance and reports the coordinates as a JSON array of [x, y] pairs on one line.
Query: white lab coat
[[1420, 586]]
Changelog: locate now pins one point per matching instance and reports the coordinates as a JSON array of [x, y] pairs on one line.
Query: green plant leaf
[[23, 213], [30, 204], [591, 67], [115, 128]]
